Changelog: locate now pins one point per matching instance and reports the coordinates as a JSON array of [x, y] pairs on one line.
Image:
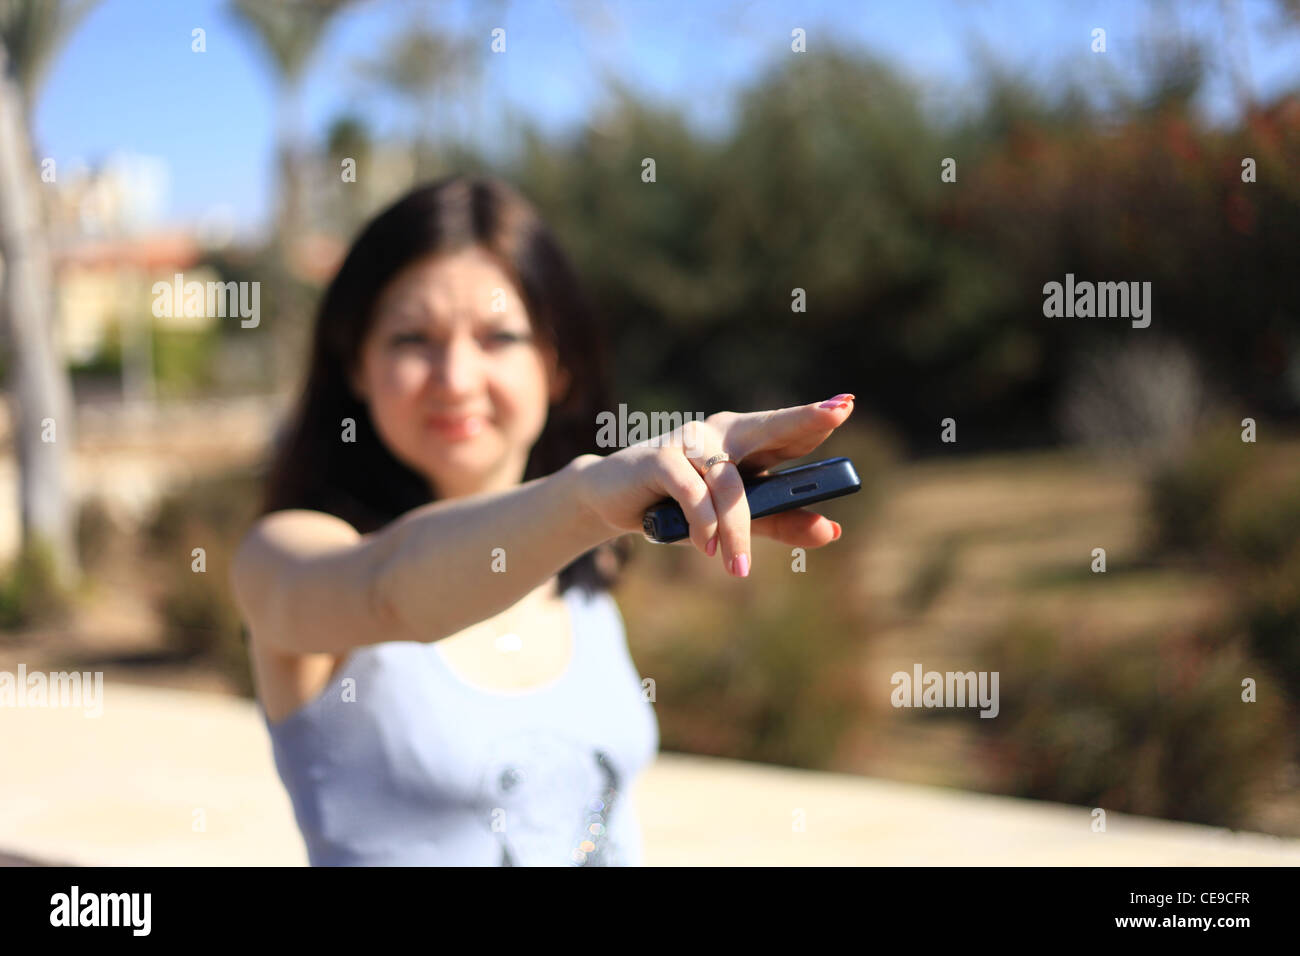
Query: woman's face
[[457, 391]]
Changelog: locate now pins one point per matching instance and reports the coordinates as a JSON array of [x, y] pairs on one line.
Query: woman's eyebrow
[[422, 314], [406, 310]]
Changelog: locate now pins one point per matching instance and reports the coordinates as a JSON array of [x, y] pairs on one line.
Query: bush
[[30, 594], [1153, 727], [225, 503], [1186, 497], [106, 363], [1259, 522], [201, 620], [775, 684], [1235, 507], [184, 362], [1270, 613]]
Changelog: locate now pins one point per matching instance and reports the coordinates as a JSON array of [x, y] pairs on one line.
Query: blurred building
[[103, 285], [107, 252], [109, 248], [122, 195]]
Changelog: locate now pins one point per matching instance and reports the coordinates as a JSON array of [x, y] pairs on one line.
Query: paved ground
[[128, 786]]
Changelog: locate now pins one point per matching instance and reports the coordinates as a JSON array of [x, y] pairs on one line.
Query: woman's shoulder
[[272, 545], [298, 525]]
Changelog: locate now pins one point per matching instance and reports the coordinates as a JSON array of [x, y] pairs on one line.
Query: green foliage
[[923, 296], [348, 136], [1155, 726], [1186, 497], [769, 680], [288, 32], [1270, 612], [201, 620], [30, 594], [200, 617], [107, 361], [1234, 507], [183, 360], [1260, 521], [1261, 530]]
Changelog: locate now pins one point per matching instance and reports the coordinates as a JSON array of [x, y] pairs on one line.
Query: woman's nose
[[458, 365]]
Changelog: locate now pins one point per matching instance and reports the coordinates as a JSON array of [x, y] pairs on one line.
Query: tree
[[31, 31], [289, 32], [424, 68]]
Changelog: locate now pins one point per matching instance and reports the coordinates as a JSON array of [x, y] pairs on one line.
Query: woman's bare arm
[[314, 585], [309, 583], [435, 574]]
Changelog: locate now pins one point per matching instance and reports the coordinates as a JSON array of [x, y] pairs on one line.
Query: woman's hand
[[618, 488]]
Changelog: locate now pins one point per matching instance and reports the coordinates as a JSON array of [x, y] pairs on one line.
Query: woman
[[442, 671]]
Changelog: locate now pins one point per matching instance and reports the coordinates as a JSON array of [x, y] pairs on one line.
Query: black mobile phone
[[767, 495]]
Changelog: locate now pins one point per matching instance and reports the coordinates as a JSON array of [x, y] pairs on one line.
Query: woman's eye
[[406, 338], [506, 337], [419, 338]]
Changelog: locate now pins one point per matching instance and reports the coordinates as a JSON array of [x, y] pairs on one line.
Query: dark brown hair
[[362, 482]]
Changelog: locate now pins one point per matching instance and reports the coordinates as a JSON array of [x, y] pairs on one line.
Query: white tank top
[[422, 769]]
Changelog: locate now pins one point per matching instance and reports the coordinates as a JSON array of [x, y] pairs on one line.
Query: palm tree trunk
[[289, 228], [40, 394]]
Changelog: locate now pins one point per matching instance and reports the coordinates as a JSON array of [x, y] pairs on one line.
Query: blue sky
[[127, 80]]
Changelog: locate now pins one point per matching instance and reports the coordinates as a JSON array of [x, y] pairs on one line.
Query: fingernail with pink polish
[[839, 400], [712, 546], [740, 565]]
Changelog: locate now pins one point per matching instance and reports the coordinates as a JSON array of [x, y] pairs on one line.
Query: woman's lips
[[456, 427]]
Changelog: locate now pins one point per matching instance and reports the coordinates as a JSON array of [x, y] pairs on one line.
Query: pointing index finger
[[792, 431]]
